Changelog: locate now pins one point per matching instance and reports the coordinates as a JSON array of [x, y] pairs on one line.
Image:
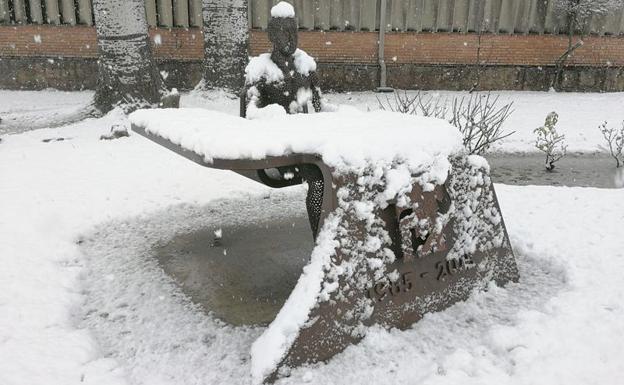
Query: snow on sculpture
[[410, 223], [286, 76], [283, 9]]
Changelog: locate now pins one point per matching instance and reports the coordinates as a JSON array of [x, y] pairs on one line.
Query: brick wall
[[80, 42], [328, 47], [524, 50], [347, 60], [333, 47]]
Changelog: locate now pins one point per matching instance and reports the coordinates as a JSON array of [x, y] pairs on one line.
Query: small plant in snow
[[615, 140], [478, 118], [550, 141]]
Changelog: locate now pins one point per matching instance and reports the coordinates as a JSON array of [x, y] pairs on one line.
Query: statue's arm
[[316, 92], [251, 95]]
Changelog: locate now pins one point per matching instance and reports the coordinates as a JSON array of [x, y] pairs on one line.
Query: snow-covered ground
[[79, 215], [579, 113]]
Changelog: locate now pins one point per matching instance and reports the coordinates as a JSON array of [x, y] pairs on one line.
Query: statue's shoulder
[[304, 62], [262, 68]]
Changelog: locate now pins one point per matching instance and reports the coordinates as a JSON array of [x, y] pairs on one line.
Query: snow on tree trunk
[[226, 38], [127, 73]]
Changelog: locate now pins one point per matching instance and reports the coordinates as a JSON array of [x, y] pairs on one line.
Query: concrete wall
[[77, 74]]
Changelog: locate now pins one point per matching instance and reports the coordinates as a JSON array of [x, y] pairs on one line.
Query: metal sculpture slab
[[386, 261]]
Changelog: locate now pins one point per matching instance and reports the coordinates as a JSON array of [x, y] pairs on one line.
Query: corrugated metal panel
[[492, 16], [444, 23], [85, 13], [36, 14], [150, 13], [429, 15], [460, 15], [53, 15], [165, 13], [181, 13], [68, 12], [195, 13], [19, 11], [4, 11], [368, 15]]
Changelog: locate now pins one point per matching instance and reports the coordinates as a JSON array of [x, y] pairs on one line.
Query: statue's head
[[283, 28]]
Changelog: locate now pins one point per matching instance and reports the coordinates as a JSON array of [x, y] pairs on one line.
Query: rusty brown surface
[[427, 281]]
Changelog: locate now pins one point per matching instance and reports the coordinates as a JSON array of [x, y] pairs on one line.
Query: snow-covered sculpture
[[286, 76], [410, 223]]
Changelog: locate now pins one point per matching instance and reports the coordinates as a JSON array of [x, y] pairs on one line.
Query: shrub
[[478, 117], [615, 142], [550, 142]]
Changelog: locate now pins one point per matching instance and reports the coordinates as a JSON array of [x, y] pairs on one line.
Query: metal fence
[[494, 16], [46, 11]]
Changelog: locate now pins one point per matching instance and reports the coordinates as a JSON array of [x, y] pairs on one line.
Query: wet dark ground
[[573, 170], [247, 276]]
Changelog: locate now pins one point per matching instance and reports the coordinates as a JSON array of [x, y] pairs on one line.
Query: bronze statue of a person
[[287, 77]]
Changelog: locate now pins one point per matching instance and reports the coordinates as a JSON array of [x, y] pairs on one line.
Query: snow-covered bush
[[550, 141], [478, 117], [615, 142]]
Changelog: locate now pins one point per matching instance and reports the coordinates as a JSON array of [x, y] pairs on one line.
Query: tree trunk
[[127, 73], [226, 39]]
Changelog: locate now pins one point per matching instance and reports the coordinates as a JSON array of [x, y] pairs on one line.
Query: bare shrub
[[550, 142], [478, 117], [615, 142], [480, 121], [419, 104]]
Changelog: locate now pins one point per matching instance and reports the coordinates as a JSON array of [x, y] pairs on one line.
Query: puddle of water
[[596, 170], [246, 277]]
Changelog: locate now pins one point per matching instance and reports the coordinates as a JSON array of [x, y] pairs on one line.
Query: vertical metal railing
[[492, 16], [70, 12]]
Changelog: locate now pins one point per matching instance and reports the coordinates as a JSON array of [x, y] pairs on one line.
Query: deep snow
[[579, 113], [79, 216], [345, 139]]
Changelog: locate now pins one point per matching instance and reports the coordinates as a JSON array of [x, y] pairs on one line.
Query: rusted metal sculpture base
[[429, 272]]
